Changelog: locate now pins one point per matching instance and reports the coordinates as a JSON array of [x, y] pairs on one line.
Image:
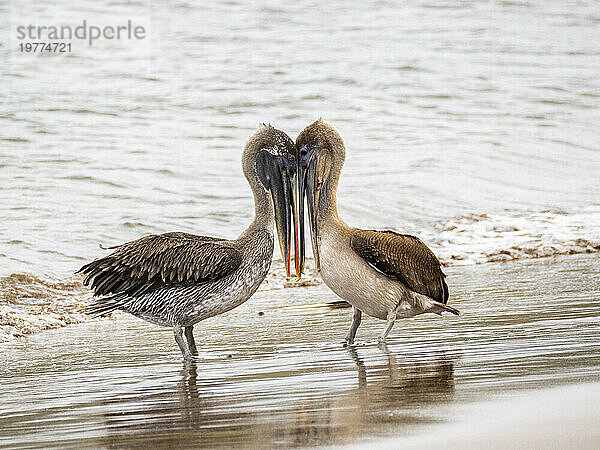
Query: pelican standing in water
[[384, 274], [178, 279]]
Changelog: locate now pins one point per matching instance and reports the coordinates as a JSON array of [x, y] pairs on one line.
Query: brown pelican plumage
[[384, 274], [179, 279]]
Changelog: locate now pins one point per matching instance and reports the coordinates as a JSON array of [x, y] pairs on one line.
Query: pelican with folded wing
[[178, 279], [384, 274]]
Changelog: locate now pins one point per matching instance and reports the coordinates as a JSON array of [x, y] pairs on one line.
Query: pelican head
[[320, 157], [270, 167]]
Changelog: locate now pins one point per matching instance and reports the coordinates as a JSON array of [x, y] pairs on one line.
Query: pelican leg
[[356, 317], [189, 335], [178, 332], [391, 318]]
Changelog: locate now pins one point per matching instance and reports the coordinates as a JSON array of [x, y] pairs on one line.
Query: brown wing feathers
[[154, 261], [403, 257]]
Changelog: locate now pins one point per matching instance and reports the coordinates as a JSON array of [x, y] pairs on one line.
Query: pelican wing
[[403, 257], [154, 261]]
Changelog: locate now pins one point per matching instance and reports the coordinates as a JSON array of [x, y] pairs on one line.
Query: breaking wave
[[29, 304], [475, 239]]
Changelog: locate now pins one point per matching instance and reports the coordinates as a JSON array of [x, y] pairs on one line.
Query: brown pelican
[[178, 279], [381, 273]]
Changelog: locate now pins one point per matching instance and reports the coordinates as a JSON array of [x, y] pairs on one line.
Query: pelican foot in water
[[384, 348], [189, 335], [185, 351], [391, 318], [356, 318]]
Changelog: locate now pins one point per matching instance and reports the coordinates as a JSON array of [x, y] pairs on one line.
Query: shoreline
[[31, 304], [565, 416], [268, 375]]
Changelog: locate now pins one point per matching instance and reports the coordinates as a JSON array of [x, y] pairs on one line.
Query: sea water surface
[[271, 376], [470, 124]]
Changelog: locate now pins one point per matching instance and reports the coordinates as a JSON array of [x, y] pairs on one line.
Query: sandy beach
[[564, 417]]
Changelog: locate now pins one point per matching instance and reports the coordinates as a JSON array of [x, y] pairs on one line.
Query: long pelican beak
[[297, 208], [307, 187], [283, 174]]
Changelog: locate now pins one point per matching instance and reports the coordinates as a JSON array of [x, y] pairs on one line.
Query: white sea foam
[[473, 239], [30, 304]]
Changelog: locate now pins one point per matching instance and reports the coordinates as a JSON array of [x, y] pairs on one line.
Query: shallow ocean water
[[284, 378]]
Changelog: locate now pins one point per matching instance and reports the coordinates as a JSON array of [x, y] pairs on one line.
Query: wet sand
[[284, 379], [564, 417]]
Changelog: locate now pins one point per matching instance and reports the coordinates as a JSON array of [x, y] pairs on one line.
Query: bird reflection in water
[[404, 384], [324, 404], [387, 397], [187, 388]]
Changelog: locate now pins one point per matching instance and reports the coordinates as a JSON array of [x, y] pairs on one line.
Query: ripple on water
[[283, 378]]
